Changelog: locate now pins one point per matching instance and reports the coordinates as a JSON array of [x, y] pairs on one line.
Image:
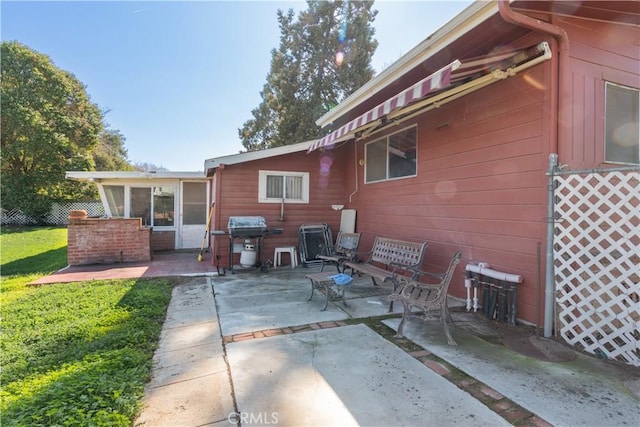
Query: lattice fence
[[59, 214], [597, 262]]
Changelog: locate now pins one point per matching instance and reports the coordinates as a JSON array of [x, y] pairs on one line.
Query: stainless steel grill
[[249, 227]]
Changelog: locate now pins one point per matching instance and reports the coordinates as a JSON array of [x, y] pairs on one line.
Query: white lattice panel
[[59, 214], [597, 263]]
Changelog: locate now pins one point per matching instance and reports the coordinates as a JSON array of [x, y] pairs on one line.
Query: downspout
[[355, 152], [217, 208], [217, 190], [559, 122]]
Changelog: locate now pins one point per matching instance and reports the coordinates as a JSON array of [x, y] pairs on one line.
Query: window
[[622, 132], [163, 206], [141, 205], [155, 205], [275, 186], [391, 157], [115, 199]]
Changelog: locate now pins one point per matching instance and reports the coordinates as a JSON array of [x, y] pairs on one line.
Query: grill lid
[[244, 222]]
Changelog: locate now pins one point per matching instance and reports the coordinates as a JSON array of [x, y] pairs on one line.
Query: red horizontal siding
[[599, 52], [239, 197], [480, 186]]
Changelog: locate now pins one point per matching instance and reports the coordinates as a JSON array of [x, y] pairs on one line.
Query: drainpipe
[[355, 152], [217, 196], [559, 122]]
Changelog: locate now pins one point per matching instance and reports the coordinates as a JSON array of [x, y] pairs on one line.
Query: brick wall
[[107, 240], [163, 240]]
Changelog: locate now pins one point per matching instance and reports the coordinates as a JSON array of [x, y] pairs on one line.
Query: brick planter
[[107, 240]]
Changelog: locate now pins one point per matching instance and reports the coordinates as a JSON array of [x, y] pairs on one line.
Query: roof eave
[[469, 18], [97, 175], [216, 162]]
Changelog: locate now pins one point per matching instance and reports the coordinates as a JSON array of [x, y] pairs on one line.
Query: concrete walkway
[[261, 354], [190, 384]]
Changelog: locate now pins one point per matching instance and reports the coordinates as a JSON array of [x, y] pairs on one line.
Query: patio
[[277, 354], [250, 345]]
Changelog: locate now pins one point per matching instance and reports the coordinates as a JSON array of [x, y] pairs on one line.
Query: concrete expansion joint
[[191, 378], [266, 333]]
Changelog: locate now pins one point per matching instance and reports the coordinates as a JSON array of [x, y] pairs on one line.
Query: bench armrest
[[416, 273], [413, 269]]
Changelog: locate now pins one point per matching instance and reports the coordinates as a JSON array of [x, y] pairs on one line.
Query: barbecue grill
[[249, 227]]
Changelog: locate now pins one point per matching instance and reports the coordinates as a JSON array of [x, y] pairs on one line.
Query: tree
[[110, 153], [323, 57], [49, 126], [149, 167]]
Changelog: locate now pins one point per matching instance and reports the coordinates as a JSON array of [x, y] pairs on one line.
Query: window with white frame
[[155, 205], [622, 132], [114, 195], [392, 157], [276, 186]]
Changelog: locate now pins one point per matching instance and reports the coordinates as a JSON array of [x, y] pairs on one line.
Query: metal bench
[[388, 258], [424, 296]]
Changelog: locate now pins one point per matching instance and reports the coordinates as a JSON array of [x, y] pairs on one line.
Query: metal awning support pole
[[550, 282]]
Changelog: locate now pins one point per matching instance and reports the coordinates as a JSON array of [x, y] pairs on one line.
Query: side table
[[323, 281]]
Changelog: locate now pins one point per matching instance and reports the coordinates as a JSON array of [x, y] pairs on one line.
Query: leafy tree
[[49, 126], [110, 153], [324, 56], [148, 167]]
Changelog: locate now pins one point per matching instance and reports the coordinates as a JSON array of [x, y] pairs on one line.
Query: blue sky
[[179, 78]]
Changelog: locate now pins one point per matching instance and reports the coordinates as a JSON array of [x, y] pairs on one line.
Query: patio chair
[[345, 249]]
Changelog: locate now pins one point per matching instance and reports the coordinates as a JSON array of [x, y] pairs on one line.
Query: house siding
[[479, 188], [599, 53], [236, 187], [482, 160]]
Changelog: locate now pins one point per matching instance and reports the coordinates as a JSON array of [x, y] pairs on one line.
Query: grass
[[76, 353]]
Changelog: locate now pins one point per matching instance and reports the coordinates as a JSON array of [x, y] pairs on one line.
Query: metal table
[[324, 282]]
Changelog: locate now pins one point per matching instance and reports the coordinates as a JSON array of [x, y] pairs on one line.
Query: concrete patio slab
[[258, 302], [190, 383], [192, 366], [584, 391], [196, 402], [345, 376], [333, 373]]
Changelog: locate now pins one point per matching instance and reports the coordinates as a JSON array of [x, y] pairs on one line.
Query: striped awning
[[436, 81]]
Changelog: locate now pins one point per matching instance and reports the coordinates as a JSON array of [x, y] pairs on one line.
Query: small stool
[[291, 250]]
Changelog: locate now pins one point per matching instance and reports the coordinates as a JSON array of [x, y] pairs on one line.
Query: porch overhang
[[97, 176]]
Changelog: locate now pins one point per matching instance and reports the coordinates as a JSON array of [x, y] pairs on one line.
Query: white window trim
[[127, 201], [608, 83], [262, 186], [386, 137]]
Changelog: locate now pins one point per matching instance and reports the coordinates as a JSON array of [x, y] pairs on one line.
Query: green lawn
[[77, 353]]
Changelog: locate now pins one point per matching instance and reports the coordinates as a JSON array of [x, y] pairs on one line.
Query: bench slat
[[394, 256]]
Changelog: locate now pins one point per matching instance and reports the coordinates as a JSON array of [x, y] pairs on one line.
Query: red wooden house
[[452, 144]]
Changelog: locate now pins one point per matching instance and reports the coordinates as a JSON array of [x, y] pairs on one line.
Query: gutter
[[559, 121]]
